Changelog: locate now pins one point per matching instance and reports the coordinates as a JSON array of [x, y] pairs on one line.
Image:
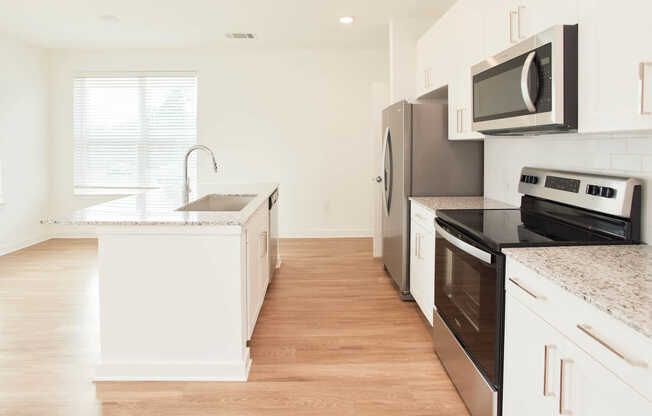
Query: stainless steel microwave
[[530, 88]]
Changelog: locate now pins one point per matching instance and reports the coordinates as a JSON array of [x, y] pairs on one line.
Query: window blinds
[[132, 130]]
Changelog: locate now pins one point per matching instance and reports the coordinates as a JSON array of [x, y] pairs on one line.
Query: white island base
[[180, 301]]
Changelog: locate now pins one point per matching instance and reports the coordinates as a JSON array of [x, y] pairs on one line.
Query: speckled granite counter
[[433, 203], [615, 279], [158, 207]]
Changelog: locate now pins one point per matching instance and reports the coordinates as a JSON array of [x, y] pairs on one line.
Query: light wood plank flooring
[[333, 338]]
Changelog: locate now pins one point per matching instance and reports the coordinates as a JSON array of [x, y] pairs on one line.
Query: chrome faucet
[[186, 183]]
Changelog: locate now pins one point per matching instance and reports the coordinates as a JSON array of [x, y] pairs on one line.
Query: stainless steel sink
[[215, 202]]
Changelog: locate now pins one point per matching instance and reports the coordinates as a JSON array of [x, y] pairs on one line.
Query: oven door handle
[[465, 247]]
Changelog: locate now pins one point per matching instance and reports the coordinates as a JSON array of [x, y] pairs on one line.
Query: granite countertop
[[615, 279], [158, 207], [433, 203]]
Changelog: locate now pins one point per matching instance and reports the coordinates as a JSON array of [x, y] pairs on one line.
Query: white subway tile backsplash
[[627, 162], [639, 145], [615, 154]]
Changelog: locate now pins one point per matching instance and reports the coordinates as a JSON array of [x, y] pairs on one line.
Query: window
[[132, 130]]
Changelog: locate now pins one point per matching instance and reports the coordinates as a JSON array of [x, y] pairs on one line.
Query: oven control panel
[[602, 193]]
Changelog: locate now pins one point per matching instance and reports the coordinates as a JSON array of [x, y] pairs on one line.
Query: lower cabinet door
[[587, 388], [422, 268], [530, 372]]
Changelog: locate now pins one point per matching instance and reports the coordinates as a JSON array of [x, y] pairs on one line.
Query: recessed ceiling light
[[109, 18], [346, 19]]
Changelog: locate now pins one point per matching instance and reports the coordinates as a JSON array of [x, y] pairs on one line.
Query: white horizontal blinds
[[132, 130]]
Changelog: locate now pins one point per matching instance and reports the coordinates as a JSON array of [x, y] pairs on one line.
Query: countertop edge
[[549, 276]]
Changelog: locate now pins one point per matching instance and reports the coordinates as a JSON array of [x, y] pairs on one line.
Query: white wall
[[300, 118], [403, 36], [607, 154], [23, 143]]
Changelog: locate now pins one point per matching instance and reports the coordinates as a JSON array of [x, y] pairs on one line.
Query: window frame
[[129, 190]]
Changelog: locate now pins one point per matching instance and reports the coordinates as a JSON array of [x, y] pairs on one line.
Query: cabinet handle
[[418, 237], [526, 290], [642, 69], [563, 409], [546, 355], [512, 13], [519, 32], [457, 121], [587, 329], [263, 241]]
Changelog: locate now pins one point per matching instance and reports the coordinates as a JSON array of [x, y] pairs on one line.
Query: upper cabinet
[[507, 22], [466, 17], [534, 16], [613, 42], [432, 58], [612, 52]]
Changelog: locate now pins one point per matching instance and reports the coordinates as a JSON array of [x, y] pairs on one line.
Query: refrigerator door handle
[[387, 187]]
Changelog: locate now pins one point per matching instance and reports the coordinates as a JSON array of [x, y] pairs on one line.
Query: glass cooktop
[[501, 228]]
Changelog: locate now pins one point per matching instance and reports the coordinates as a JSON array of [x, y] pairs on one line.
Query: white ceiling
[[192, 23]]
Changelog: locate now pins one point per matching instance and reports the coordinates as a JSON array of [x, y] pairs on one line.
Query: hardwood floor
[[333, 338]]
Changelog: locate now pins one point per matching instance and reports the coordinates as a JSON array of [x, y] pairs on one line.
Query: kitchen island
[[181, 286]]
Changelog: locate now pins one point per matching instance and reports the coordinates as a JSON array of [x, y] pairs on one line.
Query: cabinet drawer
[[423, 217], [613, 344]]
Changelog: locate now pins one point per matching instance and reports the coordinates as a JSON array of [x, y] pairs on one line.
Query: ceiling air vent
[[240, 36]]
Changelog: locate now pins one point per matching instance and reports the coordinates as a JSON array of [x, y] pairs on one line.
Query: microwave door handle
[[465, 247], [525, 82]]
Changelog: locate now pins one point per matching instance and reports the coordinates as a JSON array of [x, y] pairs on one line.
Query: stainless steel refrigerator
[[419, 160]]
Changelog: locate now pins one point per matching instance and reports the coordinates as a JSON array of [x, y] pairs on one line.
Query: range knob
[[607, 192], [593, 190]]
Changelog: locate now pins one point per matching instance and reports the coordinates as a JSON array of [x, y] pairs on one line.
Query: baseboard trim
[[21, 245], [329, 234], [174, 371]]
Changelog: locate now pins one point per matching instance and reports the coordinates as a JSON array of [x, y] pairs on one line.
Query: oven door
[[468, 298]]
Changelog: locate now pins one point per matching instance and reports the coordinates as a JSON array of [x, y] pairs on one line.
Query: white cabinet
[[613, 41], [257, 243], [422, 259], [531, 348], [564, 356], [433, 57], [586, 388], [500, 25], [507, 22], [534, 16], [545, 373], [465, 14]]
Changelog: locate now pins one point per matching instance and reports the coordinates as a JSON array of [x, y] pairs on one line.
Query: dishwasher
[[274, 248]]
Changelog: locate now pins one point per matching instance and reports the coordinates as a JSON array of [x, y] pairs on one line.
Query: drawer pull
[[563, 395], [526, 290], [546, 358], [587, 329]]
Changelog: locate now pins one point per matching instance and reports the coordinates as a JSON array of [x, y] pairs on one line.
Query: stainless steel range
[[557, 208]]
